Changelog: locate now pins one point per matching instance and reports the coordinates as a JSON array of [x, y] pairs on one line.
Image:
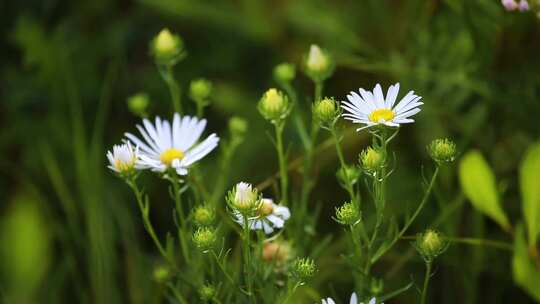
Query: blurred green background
[[70, 231]]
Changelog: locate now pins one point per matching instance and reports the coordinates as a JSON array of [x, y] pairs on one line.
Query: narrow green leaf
[[478, 184], [530, 191], [526, 273]]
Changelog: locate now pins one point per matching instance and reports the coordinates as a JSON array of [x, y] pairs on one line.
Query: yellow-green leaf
[[526, 273], [478, 184], [530, 191]]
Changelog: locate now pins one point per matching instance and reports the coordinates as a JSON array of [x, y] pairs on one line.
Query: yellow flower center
[[266, 208], [381, 115], [169, 155], [123, 166]]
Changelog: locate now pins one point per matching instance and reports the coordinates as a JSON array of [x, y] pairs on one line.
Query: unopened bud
[[138, 104], [274, 105], [204, 215], [326, 111], [167, 48], [303, 268], [204, 238], [442, 150], [318, 64], [347, 214], [430, 244], [284, 72], [371, 160], [200, 90]]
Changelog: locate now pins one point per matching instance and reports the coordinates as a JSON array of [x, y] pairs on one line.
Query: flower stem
[[282, 161], [247, 256], [290, 291], [349, 187], [319, 86], [426, 283], [174, 89], [181, 217], [382, 251]]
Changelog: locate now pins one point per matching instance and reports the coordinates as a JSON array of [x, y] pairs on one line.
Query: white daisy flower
[[167, 146], [269, 216], [354, 300], [372, 108], [123, 158]]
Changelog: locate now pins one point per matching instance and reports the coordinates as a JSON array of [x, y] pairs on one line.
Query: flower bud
[[523, 6], [326, 111], [138, 104], [371, 160], [347, 214], [318, 64], [276, 252], [207, 292], [442, 150], [243, 198], [237, 126], [430, 244], [348, 176], [200, 90], [303, 269], [167, 48], [162, 274], [274, 105], [204, 238], [284, 72], [204, 215]]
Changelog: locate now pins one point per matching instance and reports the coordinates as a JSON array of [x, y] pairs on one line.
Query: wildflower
[[284, 72], [276, 251], [509, 5], [347, 214], [243, 198], [200, 90], [523, 5], [430, 244], [371, 159], [442, 150], [123, 158], [207, 292], [318, 64], [303, 269], [374, 109], [173, 147], [353, 300], [138, 104], [204, 238], [167, 48], [267, 216], [274, 105], [204, 215], [326, 111]]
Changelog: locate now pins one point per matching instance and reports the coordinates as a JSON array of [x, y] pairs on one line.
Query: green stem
[[411, 220], [145, 213], [290, 291], [474, 242], [426, 282], [181, 217], [177, 294], [349, 187], [222, 268], [174, 89], [319, 86], [247, 256], [282, 161]]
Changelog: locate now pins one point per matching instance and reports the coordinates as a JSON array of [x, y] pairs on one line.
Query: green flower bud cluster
[[167, 48], [303, 268], [318, 64], [284, 72], [204, 238], [347, 214], [138, 104], [442, 150], [207, 292], [274, 105], [204, 215], [371, 160], [430, 244], [326, 111]]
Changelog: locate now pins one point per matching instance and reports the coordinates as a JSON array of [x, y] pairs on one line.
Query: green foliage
[[530, 191], [526, 271], [478, 184]]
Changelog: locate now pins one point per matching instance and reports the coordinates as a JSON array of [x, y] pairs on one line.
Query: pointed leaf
[[526, 273], [530, 191], [478, 184]]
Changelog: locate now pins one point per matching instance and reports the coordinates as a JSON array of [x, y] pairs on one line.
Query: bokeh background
[[70, 231]]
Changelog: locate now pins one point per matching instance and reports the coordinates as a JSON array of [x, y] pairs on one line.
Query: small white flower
[[123, 157], [268, 217], [354, 300], [172, 147], [245, 197], [372, 108]]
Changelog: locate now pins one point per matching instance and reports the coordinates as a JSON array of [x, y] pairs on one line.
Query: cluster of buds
[[442, 150], [284, 72], [430, 244], [326, 112], [274, 106], [244, 199], [371, 160], [318, 64], [303, 269], [348, 214], [167, 48]]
